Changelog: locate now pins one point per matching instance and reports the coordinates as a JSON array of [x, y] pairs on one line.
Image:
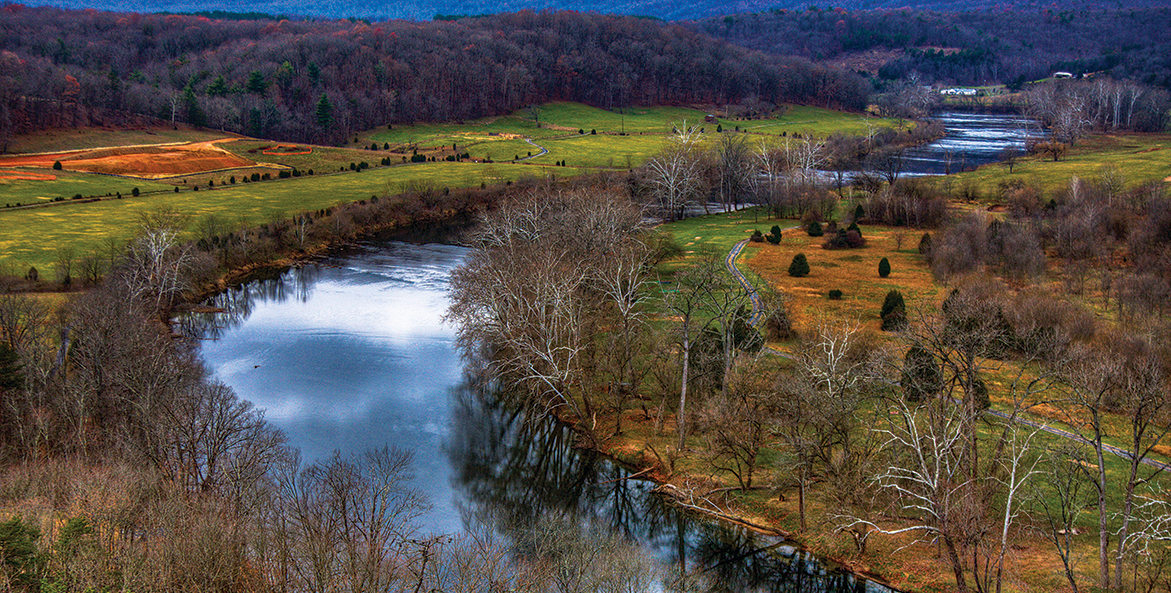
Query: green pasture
[[60, 140], [816, 121], [32, 236], [1136, 158], [637, 132], [502, 150], [603, 150], [439, 135], [322, 159], [69, 184]]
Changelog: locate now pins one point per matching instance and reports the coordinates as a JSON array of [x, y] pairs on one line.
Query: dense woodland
[[319, 80], [969, 47]]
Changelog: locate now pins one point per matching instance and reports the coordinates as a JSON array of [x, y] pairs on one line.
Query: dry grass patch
[[852, 271]]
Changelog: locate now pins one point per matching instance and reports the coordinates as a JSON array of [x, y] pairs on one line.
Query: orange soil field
[[25, 176], [138, 161]]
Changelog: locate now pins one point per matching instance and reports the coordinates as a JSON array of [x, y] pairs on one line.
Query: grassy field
[[853, 271], [321, 159], [624, 139], [69, 184], [59, 140], [1135, 158], [32, 236]]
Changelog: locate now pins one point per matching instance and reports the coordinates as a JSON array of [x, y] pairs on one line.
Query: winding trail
[[542, 149], [758, 313]]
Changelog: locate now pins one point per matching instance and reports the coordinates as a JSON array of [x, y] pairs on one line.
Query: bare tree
[[675, 179], [687, 298]]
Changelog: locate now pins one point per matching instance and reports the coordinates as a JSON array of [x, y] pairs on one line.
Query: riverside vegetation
[[897, 451], [661, 370]]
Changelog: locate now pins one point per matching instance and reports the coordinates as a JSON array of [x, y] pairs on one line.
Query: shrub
[[883, 268], [859, 213], [32, 274], [77, 196], [894, 312], [799, 267], [835, 295], [757, 236], [176, 189], [594, 132], [854, 227], [814, 229], [232, 180], [921, 378], [925, 244], [56, 165]]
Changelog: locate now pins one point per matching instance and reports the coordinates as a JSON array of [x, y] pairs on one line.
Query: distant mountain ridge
[[421, 10]]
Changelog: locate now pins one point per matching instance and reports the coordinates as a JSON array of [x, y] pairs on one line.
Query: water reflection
[[970, 140], [514, 470], [353, 354]]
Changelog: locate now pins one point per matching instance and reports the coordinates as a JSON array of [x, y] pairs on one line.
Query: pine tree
[[883, 268], [799, 267], [894, 312], [921, 378], [324, 111]]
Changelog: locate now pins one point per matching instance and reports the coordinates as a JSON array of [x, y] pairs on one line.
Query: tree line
[[319, 80]]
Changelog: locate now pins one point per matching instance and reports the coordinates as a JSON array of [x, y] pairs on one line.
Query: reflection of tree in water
[[512, 471], [234, 305]]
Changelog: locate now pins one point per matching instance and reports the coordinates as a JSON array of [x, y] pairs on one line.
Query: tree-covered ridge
[[268, 78], [661, 9], [974, 46]]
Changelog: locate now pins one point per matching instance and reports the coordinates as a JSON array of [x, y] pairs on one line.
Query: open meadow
[[105, 163], [33, 236], [1129, 158]]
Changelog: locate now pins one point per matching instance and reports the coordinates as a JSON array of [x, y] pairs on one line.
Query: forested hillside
[[662, 9], [969, 47], [320, 80]]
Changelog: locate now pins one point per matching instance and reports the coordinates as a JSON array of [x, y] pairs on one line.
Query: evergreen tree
[[799, 267], [218, 87], [324, 111], [922, 379], [814, 229], [10, 376], [894, 312], [925, 244], [256, 83], [883, 268]]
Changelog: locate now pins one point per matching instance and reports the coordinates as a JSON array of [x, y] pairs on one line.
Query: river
[[351, 353], [969, 140]]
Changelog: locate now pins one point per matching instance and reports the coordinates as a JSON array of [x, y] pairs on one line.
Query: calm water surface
[[969, 140], [352, 354]]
